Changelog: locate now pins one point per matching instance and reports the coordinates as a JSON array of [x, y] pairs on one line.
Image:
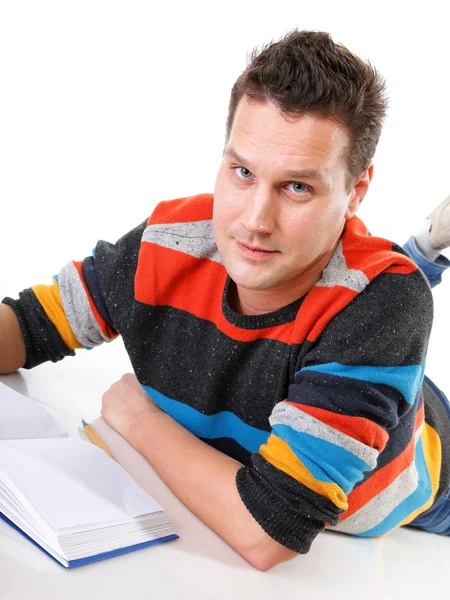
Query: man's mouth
[[255, 252]]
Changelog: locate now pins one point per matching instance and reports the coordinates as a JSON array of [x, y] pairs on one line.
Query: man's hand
[[126, 405]]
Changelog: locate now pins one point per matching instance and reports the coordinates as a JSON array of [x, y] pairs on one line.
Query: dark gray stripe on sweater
[[190, 360], [368, 330], [115, 267]]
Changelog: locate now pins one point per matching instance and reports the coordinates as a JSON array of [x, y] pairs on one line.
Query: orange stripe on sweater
[[321, 303], [359, 428], [354, 244], [50, 300], [402, 269], [183, 210], [104, 326], [193, 285]]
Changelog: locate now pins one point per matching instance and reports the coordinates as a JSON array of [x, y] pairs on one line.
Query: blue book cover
[[97, 557]]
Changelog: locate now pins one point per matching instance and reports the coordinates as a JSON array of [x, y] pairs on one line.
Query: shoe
[[440, 225]]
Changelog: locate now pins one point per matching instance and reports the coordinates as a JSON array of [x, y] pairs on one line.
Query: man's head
[[303, 125]]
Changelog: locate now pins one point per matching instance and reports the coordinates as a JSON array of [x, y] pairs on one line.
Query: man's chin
[[253, 284], [251, 278]]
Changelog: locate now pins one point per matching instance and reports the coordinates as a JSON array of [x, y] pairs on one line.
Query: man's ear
[[359, 191]]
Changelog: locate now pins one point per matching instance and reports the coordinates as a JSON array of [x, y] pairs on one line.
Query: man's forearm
[[204, 480], [12, 346]]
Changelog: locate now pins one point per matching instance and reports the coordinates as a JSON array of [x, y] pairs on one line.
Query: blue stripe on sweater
[[405, 379], [410, 504], [220, 425], [326, 461]]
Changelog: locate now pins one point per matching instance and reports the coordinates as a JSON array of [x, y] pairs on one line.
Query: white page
[[72, 483], [23, 418]]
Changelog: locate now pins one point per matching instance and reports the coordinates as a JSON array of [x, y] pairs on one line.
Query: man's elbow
[[267, 556], [12, 344]]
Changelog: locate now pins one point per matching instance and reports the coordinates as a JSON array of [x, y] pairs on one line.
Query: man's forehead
[[261, 128]]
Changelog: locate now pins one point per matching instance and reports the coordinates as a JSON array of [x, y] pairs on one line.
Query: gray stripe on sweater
[[376, 510], [77, 308], [286, 414], [337, 273], [195, 239]]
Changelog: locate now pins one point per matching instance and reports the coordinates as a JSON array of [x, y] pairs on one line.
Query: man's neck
[[258, 302]]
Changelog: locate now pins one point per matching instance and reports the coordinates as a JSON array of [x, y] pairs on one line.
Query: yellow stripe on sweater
[[432, 450], [50, 300], [278, 453]]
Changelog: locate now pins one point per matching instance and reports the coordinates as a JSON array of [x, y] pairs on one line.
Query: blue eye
[[246, 174], [298, 184]]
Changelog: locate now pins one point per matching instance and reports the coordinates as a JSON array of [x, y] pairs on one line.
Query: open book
[[65, 494]]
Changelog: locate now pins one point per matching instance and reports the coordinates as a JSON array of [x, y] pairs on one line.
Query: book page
[[72, 483], [23, 418]]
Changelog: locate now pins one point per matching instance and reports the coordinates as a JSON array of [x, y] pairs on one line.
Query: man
[[278, 348]]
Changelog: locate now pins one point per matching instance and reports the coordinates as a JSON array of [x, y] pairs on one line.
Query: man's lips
[[254, 252]]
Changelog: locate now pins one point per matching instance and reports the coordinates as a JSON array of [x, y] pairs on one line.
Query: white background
[[109, 107]]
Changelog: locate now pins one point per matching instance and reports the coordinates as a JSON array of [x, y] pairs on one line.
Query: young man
[[278, 347]]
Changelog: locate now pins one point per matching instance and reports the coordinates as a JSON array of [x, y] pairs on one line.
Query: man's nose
[[260, 214]]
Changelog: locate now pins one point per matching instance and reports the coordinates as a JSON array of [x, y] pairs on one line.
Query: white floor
[[407, 564]]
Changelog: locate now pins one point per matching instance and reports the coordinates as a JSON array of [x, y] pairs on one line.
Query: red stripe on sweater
[[183, 210], [402, 269], [379, 255], [363, 430], [319, 307], [193, 285]]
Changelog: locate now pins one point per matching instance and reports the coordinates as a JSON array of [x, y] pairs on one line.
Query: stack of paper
[[67, 495]]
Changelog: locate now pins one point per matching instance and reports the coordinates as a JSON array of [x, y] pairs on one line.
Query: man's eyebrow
[[310, 173]]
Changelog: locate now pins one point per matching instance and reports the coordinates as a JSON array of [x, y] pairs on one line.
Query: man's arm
[[203, 478], [83, 307], [12, 345], [350, 391]]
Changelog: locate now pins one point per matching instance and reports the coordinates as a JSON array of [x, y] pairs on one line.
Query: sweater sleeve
[[86, 304], [350, 389]]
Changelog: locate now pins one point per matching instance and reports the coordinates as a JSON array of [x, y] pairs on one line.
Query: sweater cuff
[[42, 340], [294, 532]]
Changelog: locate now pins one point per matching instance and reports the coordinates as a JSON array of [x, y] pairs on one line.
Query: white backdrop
[[108, 107]]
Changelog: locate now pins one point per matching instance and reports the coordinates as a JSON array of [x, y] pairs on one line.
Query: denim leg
[[437, 518], [432, 269]]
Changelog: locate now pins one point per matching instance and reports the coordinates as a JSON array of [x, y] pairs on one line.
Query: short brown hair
[[306, 72]]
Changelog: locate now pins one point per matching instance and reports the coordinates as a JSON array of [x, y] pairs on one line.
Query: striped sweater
[[323, 401]]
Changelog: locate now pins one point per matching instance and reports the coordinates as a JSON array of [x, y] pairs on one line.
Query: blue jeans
[[432, 269], [437, 518]]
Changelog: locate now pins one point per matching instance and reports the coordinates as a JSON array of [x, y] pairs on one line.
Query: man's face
[[280, 202]]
